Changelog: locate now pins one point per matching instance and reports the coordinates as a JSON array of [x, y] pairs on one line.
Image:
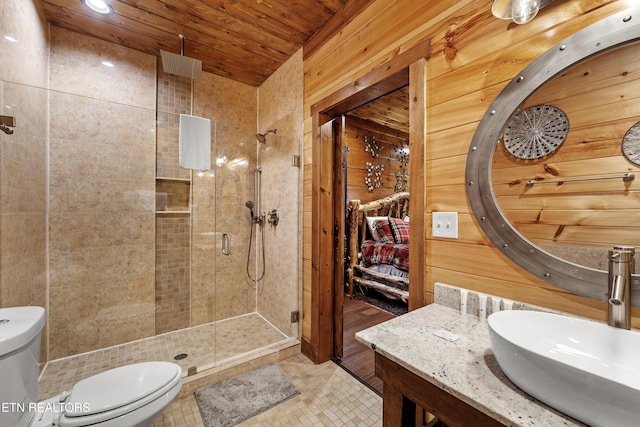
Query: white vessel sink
[[585, 369]]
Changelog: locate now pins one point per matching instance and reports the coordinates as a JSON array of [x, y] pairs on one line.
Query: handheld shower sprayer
[[255, 218], [249, 204]]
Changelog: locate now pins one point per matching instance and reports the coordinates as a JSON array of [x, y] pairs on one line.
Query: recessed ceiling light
[[11, 39], [98, 6], [107, 64]]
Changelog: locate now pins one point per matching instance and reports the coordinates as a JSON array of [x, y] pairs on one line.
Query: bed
[[378, 246]]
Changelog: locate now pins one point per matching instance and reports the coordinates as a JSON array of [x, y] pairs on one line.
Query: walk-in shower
[[153, 269]]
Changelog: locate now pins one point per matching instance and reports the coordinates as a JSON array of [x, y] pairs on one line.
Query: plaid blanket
[[395, 254]]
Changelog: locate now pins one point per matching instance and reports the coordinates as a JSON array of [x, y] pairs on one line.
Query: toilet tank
[[20, 333]]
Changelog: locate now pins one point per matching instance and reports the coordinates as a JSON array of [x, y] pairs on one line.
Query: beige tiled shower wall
[[206, 285], [174, 98], [23, 156], [102, 194], [173, 231], [280, 107], [25, 61], [23, 183], [173, 303]]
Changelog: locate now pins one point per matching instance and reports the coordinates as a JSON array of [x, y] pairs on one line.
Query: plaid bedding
[[400, 230], [395, 254]]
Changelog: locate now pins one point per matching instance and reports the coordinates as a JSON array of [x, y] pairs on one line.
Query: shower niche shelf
[[172, 212], [162, 178], [173, 195]]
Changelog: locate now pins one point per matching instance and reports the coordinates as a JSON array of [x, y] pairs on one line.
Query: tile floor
[[329, 396]]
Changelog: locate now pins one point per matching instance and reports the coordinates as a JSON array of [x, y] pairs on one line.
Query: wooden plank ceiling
[[244, 40], [390, 110]]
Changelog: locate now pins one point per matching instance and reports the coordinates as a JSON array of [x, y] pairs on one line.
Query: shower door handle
[[226, 243]]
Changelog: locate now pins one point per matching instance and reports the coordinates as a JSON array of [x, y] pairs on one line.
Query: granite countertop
[[465, 368]]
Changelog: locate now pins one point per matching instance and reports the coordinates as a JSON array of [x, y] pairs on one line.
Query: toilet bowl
[[128, 396]]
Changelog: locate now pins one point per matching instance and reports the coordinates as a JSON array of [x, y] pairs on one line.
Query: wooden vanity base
[[403, 390]]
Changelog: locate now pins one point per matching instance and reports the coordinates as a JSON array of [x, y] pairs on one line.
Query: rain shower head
[[181, 65], [262, 137]]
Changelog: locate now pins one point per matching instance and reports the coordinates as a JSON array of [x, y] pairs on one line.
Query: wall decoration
[[372, 146], [373, 179], [631, 144], [402, 176], [535, 132]]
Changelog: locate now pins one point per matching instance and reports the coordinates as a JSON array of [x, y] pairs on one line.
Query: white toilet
[[129, 396]]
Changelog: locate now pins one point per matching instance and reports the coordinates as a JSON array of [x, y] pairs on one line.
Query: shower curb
[[234, 366]]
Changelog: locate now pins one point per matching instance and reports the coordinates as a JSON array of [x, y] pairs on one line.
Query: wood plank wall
[[388, 139], [474, 55]]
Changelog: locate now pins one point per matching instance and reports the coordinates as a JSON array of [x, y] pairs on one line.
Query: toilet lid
[[119, 387]]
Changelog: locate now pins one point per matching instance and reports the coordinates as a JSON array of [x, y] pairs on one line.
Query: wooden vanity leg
[[397, 410], [392, 406]]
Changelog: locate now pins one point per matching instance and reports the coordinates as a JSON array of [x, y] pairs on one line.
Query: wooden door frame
[[339, 209], [408, 67]]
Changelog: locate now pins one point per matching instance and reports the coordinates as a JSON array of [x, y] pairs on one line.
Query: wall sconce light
[[520, 11]]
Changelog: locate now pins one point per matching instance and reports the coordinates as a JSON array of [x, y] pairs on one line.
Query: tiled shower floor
[[206, 346]]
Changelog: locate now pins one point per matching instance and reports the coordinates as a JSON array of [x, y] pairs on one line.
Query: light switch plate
[[444, 224]]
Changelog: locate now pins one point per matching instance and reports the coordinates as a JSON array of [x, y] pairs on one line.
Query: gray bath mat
[[232, 401]]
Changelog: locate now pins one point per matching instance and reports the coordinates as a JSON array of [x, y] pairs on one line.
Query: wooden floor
[[358, 358]]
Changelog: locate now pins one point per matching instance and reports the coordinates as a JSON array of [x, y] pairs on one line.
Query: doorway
[[327, 281], [375, 143]]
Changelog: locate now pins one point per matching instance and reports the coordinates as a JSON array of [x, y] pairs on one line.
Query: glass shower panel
[[278, 296], [101, 223], [235, 294], [205, 246], [23, 197], [240, 275]]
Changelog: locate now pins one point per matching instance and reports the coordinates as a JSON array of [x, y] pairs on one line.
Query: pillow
[[380, 229], [383, 230], [370, 220], [400, 230]]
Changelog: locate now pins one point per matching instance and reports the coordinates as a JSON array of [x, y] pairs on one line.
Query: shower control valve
[[274, 218]]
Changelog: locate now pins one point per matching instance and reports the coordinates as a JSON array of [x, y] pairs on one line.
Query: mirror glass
[[560, 173]]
